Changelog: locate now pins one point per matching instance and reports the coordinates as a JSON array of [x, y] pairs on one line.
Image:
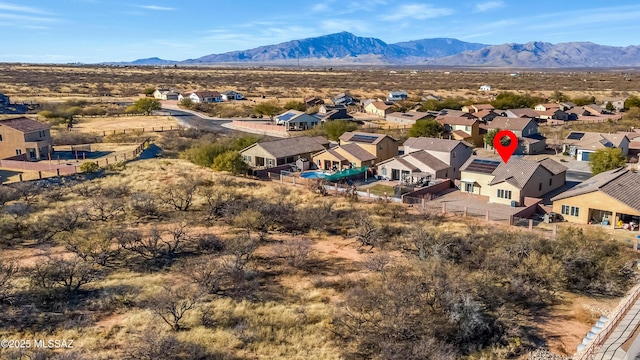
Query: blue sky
[[90, 31]]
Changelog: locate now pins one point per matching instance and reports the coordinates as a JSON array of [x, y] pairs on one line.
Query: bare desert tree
[[180, 196], [7, 194], [67, 273], [295, 252], [171, 304], [366, 232], [8, 271]]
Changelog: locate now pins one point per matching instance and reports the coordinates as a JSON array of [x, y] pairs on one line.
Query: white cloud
[[22, 9], [488, 5], [156, 8], [417, 11]]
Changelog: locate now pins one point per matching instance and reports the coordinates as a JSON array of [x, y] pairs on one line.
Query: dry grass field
[[41, 83]]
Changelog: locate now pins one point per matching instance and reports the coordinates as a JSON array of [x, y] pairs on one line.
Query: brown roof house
[[477, 108], [382, 146], [342, 157], [581, 144], [281, 152], [451, 152], [414, 168], [25, 139], [379, 108], [509, 183], [519, 113], [608, 198], [407, 118], [530, 141], [461, 128]]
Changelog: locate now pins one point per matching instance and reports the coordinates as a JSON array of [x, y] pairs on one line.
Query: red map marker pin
[[505, 151]]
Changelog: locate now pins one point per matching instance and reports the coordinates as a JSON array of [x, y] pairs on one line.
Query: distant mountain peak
[[345, 48]]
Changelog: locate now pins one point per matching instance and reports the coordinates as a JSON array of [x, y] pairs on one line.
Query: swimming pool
[[313, 175]]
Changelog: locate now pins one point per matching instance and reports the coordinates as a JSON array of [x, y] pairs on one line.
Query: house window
[[565, 210], [467, 128], [384, 171], [380, 147], [540, 187], [504, 194], [0, 137], [18, 151], [270, 162], [575, 211], [453, 154], [550, 181], [246, 158], [468, 187]]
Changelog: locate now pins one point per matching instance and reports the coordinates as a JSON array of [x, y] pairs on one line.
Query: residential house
[[296, 120], [485, 88], [24, 138], [379, 109], [452, 152], [4, 101], [203, 97], [313, 101], [477, 108], [284, 151], [451, 112], [166, 94], [567, 105], [397, 95], [342, 157], [607, 198], [509, 183], [230, 95], [343, 99], [408, 118], [417, 167], [581, 144], [554, 114], [530, 141], [485, 116], [382, 146], [332, 112], [519, 113], [461, 128], [595, 110], [578, 111], [546, 107]]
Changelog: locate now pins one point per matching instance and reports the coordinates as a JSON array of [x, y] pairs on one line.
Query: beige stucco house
[[509, 183], [382, 146], [281, 152], [379, 109], [607, 198], [24, 138]]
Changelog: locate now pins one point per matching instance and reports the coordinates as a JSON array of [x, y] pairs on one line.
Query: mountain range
[[348, 49]]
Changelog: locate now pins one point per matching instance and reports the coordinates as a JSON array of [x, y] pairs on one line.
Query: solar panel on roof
[[575, 136], [286, 117], [483, 166], [368, 139]]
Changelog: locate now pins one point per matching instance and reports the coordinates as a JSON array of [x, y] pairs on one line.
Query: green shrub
[[89, 167]]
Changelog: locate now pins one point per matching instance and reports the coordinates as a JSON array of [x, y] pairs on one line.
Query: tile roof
[[334, 153], [505, 123], [461, 134], [480, 107], [519, 172], [524, 113], [433, 144], [419, 161], [451, 112], [516, 172], [355, 151], [354, 135], [24, 124], [410, 115], [381, 105], [456, 120], [621, 184], [292, 146], [593, 140]]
